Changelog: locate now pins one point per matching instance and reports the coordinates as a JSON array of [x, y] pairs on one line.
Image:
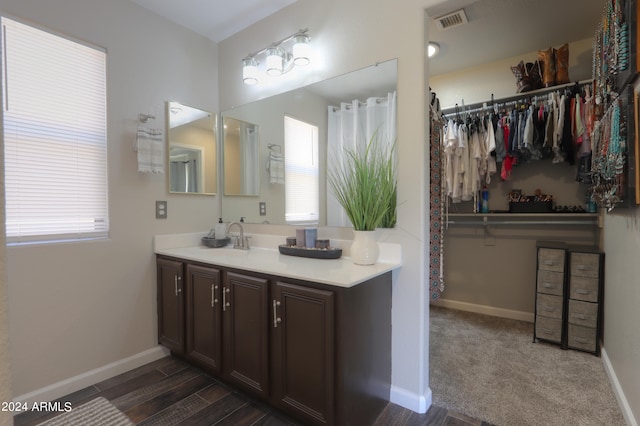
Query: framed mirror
[[312, 105], [241, 141], [192, 145]]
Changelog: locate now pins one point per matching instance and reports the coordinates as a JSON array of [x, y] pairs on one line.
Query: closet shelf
[[519, 219], [518, 97]]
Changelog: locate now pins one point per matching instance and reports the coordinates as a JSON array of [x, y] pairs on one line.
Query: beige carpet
[[489, 368], [97, 412]]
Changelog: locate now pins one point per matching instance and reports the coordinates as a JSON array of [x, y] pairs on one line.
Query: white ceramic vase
[[364, 250]]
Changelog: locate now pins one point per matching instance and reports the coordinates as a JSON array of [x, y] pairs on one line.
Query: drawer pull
[[175, 280], [581, 316], [276, 319], [548, 331], [225, 304], [582, 291], [548, 308], [581, 340], [582, 267], [549, 262], [548, 285], [213, 296]]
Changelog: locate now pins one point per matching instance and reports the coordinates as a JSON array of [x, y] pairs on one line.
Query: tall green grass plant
[[364, 183]]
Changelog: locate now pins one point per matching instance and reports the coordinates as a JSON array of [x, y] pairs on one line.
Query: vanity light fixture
[[279, 58]]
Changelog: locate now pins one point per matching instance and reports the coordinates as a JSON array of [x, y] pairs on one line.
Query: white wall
[[476, 84], [621, 302], [348, 35], [78, 306]]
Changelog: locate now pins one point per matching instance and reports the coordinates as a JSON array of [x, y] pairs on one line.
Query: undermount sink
[[223, 252], [226, 251]]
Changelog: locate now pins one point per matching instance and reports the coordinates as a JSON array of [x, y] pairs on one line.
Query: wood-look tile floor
[[171, 392]]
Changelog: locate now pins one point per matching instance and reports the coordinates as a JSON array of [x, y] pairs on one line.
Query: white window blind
[[55, 136], [302, 197]]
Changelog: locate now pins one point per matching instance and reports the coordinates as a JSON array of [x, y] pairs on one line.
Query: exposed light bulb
[[433, 49]]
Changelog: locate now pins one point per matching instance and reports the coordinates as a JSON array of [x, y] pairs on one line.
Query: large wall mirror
[[192, 146], [310, 105]]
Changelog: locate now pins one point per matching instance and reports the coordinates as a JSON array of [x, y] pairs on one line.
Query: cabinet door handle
[[213, 295], [175, 280], [225, 304], [276, 319]]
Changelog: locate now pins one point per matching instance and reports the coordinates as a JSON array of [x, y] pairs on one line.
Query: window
[[302, 198], [55, 136]]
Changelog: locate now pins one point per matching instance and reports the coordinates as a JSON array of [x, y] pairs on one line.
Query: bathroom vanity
[[310, 337]]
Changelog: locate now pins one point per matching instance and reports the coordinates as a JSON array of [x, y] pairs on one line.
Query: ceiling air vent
[[451, 20]]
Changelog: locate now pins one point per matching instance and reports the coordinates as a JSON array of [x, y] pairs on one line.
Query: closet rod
[[521, 96], [523, 222]]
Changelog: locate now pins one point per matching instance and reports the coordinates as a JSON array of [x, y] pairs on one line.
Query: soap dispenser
[[221, 230]]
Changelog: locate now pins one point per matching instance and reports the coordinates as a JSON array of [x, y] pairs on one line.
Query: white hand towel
[[150, 147], [276, 168]]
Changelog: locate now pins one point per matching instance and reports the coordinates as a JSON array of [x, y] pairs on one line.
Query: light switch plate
[[161, 209], [262, 207]]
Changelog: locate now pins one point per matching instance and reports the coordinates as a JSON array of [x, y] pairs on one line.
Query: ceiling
[[497, 29], [215, 19]]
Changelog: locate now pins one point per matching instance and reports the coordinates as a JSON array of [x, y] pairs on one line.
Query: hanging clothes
[[437, 195]]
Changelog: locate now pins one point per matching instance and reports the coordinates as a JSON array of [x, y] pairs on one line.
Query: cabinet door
[[303, 366], [204, 315], [246, 328], [170, 305]]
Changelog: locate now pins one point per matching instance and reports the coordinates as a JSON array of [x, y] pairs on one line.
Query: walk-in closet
[[530, 150]]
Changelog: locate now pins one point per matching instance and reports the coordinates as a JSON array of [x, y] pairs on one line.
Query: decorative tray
[[214, 242], [315, 253]]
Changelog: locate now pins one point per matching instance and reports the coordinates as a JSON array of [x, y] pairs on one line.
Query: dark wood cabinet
[[204, 316], [303, 363], [320, 353], [170, 305], [246, 328]]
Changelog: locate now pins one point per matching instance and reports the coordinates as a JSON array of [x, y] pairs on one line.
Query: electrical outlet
[[262, 207], [161, 209]]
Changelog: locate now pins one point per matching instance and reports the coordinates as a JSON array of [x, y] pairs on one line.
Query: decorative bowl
[[214, 242]]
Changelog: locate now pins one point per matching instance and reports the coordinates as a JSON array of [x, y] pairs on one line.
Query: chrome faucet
[[240, 241]]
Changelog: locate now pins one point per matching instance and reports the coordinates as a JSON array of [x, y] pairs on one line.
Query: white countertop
[[338, 272]]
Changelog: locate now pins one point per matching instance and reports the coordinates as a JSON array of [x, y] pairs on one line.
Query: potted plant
[[364, 184]]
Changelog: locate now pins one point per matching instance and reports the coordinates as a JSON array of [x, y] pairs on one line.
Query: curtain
[[249, 146], [350, 127], [184, 176]]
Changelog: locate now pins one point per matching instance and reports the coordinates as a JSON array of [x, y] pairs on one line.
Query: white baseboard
[[81, 381], [412, 401], [617, 390], [486, 310]]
